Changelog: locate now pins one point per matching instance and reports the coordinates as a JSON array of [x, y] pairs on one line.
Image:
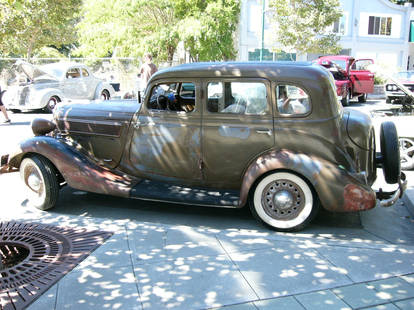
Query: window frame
[[277, 113], [151, 86], [379, 22], [266, 82]]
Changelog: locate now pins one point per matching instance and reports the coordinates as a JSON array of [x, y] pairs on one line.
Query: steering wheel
[[163, 99]]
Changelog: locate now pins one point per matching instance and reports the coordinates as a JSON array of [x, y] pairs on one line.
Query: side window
[[176, 96], [292, 100], [248, 98], [85, 72], [73, 73]]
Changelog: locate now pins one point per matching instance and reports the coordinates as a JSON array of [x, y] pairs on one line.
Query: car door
[[88, 83], [167, 131], [72, 87], [237, 126], [361, 77]]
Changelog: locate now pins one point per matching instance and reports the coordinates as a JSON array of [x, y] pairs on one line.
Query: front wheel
[[51, 104], [283, 201], [40, 180], [346, 98]]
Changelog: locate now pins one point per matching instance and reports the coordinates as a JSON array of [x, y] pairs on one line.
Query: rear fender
[[336, 189], [77, 170]]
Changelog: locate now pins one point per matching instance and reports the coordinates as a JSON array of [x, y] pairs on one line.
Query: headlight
[[391, 87]]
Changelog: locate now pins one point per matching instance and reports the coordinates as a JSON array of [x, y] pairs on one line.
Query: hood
[[32, 71], [99, 117]]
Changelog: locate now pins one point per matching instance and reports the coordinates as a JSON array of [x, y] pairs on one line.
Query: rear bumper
[[388, 199]]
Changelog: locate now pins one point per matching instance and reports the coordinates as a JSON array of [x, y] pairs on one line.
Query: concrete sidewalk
[[164, 256]]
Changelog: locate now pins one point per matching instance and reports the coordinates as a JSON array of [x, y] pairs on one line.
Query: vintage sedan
[[47, 85], [269, 135]]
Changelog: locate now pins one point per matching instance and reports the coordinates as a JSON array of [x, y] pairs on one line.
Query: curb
[[407, 199]]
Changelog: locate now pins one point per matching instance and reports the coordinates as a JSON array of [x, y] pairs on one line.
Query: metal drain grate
[[35, 256]]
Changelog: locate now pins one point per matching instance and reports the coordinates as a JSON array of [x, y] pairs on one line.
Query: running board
[[159, 191]]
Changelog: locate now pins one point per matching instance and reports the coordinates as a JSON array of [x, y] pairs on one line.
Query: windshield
[[406, 75], [341, 63]]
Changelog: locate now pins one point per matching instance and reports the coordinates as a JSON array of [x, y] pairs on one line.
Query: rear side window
[[85, 72], [248, 98], [292, 100]]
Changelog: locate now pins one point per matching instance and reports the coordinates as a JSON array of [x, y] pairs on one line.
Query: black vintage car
[[269, 135]]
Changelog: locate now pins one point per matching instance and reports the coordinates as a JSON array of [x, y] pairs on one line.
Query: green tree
[[129, 28], [26, 26], [302, 24], [207, 28]]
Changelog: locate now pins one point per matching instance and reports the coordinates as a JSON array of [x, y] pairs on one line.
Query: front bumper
[[388, 199]]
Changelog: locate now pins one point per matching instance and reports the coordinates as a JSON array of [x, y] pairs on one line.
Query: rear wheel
[[406, 153], [362, 98], [105, 95], [40, 180], [283, 201]]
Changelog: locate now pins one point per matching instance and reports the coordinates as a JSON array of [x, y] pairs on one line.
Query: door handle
[[264, 131]]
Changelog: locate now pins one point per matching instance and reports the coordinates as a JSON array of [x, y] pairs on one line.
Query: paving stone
[[196, 283], [393, 288], [363, 265], [114, 252], [405, 304], [359, 295], [46, 301], [383, 307], [322, 300], [147, 245], [247, 306], [409, 278], [184, 242], [287, 270], [279, 303], [88, 288]]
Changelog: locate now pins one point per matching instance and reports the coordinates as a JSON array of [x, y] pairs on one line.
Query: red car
[[352, 78]]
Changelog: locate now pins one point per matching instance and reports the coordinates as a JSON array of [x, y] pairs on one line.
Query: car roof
[[240, 69], [338, 57]]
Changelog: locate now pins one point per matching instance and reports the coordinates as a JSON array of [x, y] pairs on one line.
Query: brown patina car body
[[271, 135]]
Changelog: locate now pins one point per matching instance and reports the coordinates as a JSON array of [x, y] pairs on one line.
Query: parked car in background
[[352, 77], [43, 87], [394, 91], [269, 135]]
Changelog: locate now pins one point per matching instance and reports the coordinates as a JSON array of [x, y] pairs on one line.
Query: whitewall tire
[[283, 201]]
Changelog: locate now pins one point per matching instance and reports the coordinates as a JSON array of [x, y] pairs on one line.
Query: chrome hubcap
[[283, 200], [34, 182]]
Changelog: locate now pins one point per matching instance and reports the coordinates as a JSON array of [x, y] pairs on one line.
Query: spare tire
[[390, 152]]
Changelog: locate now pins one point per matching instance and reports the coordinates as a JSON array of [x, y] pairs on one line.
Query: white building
[[375, 29]]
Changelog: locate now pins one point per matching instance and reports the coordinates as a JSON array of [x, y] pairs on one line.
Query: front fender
[[337, 189], [77, 170], [41, 97]]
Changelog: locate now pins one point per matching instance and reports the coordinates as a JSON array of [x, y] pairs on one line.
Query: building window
[[338, 27], [379, 26]]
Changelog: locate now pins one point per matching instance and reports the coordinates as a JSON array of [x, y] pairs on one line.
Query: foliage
[[302, 24], [26, 26], [130, 28]]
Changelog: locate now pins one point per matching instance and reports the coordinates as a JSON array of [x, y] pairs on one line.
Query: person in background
[[3, 108], [147, 70]]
